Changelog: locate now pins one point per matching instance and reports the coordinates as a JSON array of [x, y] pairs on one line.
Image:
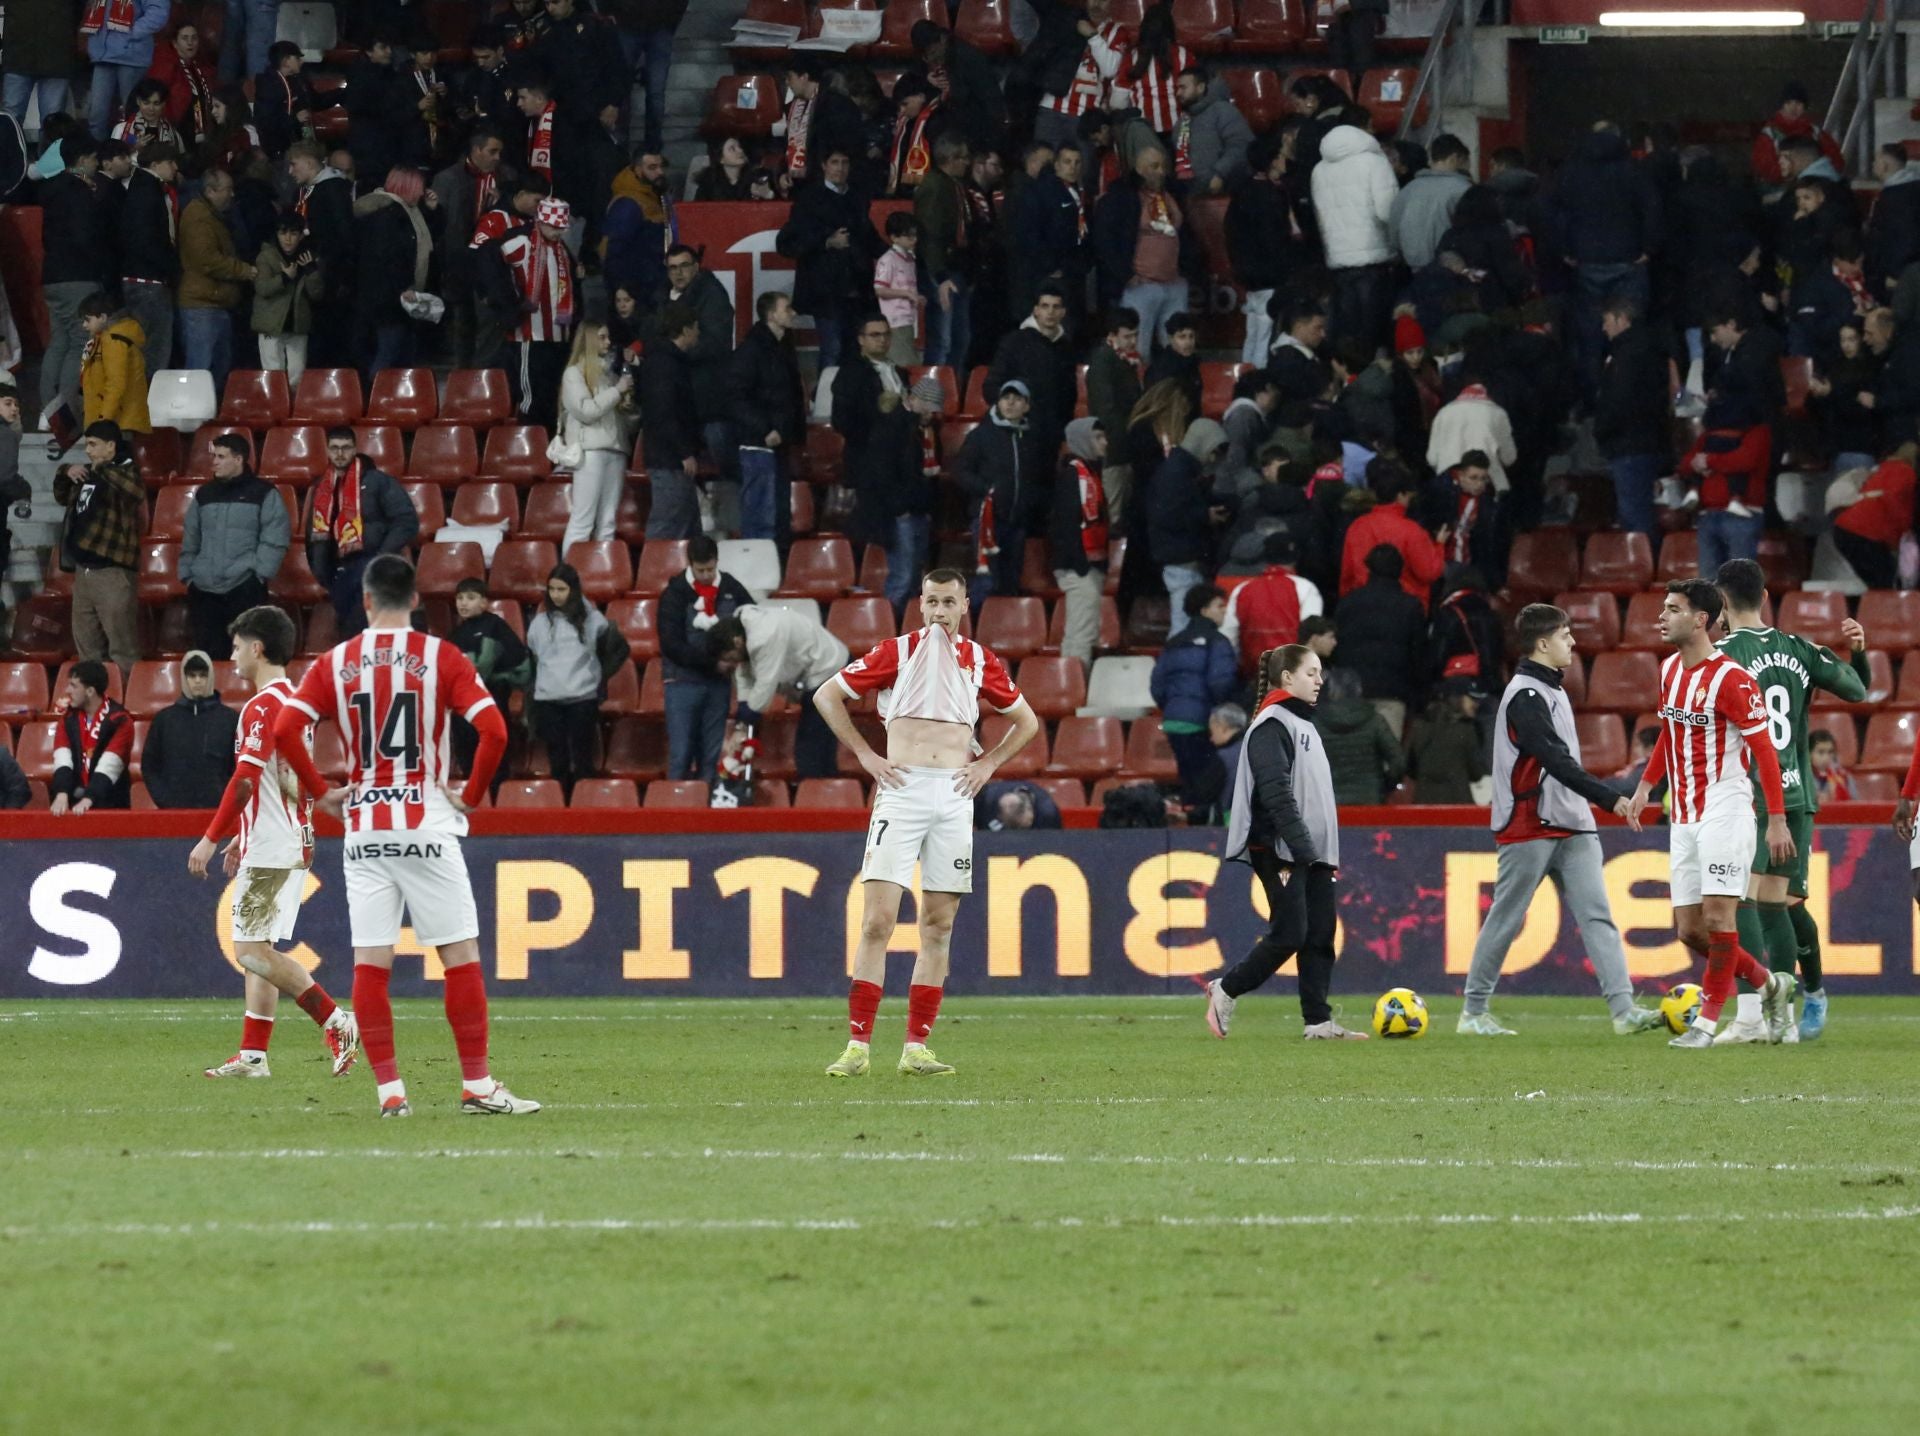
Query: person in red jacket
[[1265, 612], [176, 64], [1730, 462], [1424, 555], [1790, 121], [1868, 531]]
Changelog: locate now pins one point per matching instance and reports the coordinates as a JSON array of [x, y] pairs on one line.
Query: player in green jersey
[[1774, 918]]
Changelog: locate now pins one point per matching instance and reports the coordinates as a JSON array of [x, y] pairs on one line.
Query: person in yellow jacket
[[113, 370], [210, 278]]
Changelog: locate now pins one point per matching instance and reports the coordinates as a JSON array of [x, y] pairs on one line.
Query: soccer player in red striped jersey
[[1709, 708], [264, 806], [931, 684], [394, 693]]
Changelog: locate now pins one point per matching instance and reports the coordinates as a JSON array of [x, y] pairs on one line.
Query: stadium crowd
[[1011, 375]]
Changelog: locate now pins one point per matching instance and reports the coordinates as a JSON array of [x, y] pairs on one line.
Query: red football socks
[[923, 1005], [374, 1011], [863, 1001], [255, 1033], [1726, 959], [316, 1004], [466, 1000]]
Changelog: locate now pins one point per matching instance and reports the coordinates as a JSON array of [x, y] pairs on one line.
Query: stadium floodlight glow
[[1702, 19]]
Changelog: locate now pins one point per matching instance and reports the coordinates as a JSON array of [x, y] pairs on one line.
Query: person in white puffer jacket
[[594, 413], [1353, 193]]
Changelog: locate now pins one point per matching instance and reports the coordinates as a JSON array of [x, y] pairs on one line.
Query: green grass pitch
[[1107, 1222]]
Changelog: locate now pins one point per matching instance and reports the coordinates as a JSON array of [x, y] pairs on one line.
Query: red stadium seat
[[1880, 686], [1784, 557], [529, 793], [157, 455], [520, 569], [634, 617], [824, 454], [1679, 558], [1029, 762], [1217, 378], [861, 623], [605, 793], [1148, 755], [1907, 695], [34, 752], [256, 399], [444, 453], [1014, 628], [1260, 95], [199, 463], [605, 567], [430, 505], [1623, 682], [1875, 787], [405, 398], [1203, 26], [1054, 685], [1544, 561], [159, 573], [1796, 375], [744, 107], [873, 569], [1036, 571], [329, 397], [441, 566], [294, 454], [897, 22], [1127, 14], [511, 614], [1109, 627], [623, 695], [1891, 619], [483, 504], [1596, 620], [800, 508], [155, 684], [1603, 742], [1575, 682], [652, 699], [383, 446], [1065, 792], [1890, 741], [169, 519], [23, 691], [330, 125], [1617, 563], [636, 750], [817, 568], [476, 397], [322, 631], [517, 453], [42, 629], [987, 25], [1385, 94], [1641, 630], [1272, 26], [829, 793], [548, 508], [1815, 617], [661, 561], [676, 793], [973, 405], [295, 586], [943, 374]]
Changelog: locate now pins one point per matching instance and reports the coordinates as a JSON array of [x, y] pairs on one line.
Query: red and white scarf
[[1466, 514], [486, 188], [336, 510], [1079, 210], [200, 103], [799, 113], [545, 277], [114, 15], [1183, 148], [707, 595], [912, 156], [929, 454], [987, 546], [1856, 283], [540, 143], [1093, 512]]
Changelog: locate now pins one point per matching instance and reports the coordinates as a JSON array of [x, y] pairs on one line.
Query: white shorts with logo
[[420, 875], [266, 903], [1713, 857], [928, 822], [1913, 851]]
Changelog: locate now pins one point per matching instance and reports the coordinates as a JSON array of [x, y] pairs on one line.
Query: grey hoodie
[[1421, 213], [1217, 139], [1080, 439], [1203, 438]]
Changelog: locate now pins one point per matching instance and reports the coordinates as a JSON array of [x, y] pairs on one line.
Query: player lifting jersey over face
[[931, 685]]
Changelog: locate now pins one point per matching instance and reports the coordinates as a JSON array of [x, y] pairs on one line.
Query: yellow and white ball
[[1681, 1005], [1400, 1013]]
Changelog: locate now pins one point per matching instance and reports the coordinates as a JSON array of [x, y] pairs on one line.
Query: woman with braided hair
[[1285, 824]]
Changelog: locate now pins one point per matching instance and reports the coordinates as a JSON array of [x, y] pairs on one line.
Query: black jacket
[[669, 429], [382, 107], [882, 459], [1605, 206], [583, 54], [707, 360], [764, 390], [1752, 370], [1300, 377], [999, 459], [1382, 638], [1276, 815], [1046, 232], [827, 280], [276, 102], [147, 246], [189, 753], [71, 211], [1260, 242], [1047, 367], [330, 233], [683, 647], [1115, 232], [1897, 394], [1183, 369], [1631, 410], [1530, 724], [1466, 624], [1177, 501], [14, 792], [834, 125], [1065, 548], [383, 263], [1845, 426], [1489, 249], [1821, 305], [390, 518], [975, 105], [1893, 234]]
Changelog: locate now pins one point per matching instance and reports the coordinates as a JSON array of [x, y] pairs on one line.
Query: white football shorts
[[1713, 857], [421, 876], [266, 903], [928, 822], [1913, 851]]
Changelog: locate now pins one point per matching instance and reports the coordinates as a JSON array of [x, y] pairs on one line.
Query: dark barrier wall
[[777, 912]]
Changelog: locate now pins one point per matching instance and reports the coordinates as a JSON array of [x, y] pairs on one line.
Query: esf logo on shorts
[[394, 850], [1726, 870], [379, 797]]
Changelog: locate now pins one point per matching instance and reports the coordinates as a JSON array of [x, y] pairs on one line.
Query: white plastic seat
[[182, 399], [755, 562], [310, 26], [1119, 687]]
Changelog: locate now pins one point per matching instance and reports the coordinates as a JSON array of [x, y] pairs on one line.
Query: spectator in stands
[[1388, 524], [1195, 672], [1211, 137], [1182, 513], [498, 654], [1631, 415], [596, 412], [896, 288], [1267, 610], [1473, 421], [231, 143], [1321, 635], [113, 370], [1480, 236], [1248, 421], [1608, 220], [1362, 750], [1299, 373], [585, 55], [15, 791], [639, 227], [1040, 354], [324, 199], [395, 251], [1847, 430], [1869, 529], [833, 244], [188, 87], [79, 265], [1179, 359], [463, 192], [100, 544], [1264, 235], [149, 262], [237, 532], [120, 45], [920, 119], [914, 495], [146, 121], [1894, 399], [1353, 195], [1006, 483], [1834, 782], [770, 651], [482, 94], [565, 638], [286, 287], [1113, 392], [1423, 210], [769, 412], [1382, 632], [529, 273], [1893, 231], [1445, 757], [354, 513], [1790, 121], [1137, 235], [39, 60], [1077, 536], [93, 747], [1467, 638], [821, 121], [1832, 293], [1730, 463], [1461, 502], [1073, 61], [1048, 238], [946, 250], [1274, 503], [282, 107], [188, 754], [211, 276], [1012, 805], [1639, 754], [669, 426], [967, 82], [646, 42], [730, 174], [692, 605], [698, 288]]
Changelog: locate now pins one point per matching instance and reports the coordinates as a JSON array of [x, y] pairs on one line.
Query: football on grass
[[1680, 1006], [1400, 1013]]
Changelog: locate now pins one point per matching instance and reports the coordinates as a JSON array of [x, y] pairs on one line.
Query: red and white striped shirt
[[929, 675], [1151, 86], [276, 825], [1707, 713], [1099, 62], [542, 272], [394, 692]]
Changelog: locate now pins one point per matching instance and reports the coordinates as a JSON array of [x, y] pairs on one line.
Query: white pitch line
[[87, 1231]]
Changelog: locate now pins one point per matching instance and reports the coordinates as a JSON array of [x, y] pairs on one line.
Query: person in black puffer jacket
[[1182, 512], [188, 755], [1480, 236], [1382, 637]]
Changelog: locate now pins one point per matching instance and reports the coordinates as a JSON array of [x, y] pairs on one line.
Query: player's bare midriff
[[929, 743]]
